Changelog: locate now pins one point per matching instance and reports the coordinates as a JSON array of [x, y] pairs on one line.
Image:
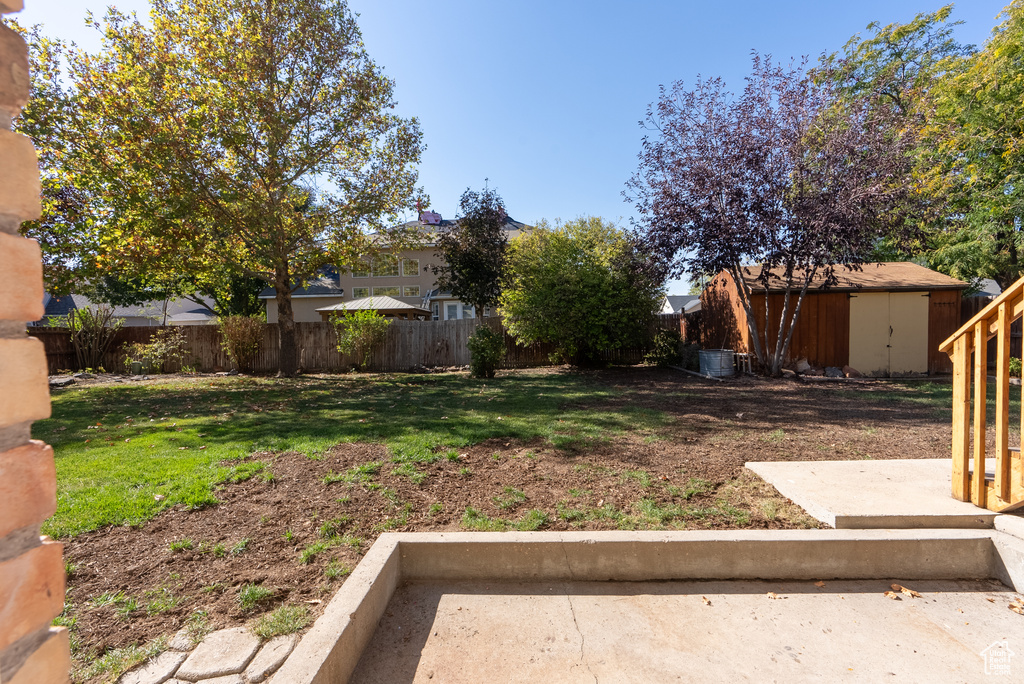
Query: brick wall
[[31, 567]]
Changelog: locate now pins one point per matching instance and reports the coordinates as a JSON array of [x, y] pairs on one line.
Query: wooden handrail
[[968, 350], [1016, 291]]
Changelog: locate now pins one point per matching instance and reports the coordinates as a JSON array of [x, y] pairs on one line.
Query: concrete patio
[[687, 632], [670, 606]]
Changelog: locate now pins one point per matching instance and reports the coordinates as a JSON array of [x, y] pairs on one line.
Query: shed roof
[[378, 303], [879, 276]]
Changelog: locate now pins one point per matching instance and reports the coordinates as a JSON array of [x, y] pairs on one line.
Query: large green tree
[[895, 66], [242, 137], [581, 286], [972, 157]]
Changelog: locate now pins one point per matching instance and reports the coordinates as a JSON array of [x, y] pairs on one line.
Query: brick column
[[31, 567]]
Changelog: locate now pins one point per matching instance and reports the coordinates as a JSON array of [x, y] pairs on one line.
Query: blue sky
[[543, 97]]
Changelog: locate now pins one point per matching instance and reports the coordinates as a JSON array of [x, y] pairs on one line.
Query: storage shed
[[884, 319]]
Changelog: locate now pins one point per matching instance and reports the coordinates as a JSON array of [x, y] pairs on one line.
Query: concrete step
[[898, 493]]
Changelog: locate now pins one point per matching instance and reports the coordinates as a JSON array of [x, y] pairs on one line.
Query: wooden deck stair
[[968, 349]]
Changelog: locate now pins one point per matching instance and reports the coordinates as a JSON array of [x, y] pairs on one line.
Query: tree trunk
[[287, 360]]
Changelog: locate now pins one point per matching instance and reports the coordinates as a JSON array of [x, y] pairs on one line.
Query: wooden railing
[[968, 350]]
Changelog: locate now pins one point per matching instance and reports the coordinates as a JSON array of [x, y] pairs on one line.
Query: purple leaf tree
[[785, 176]]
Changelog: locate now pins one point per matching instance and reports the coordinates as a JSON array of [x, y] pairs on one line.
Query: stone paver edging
[[227, 656]]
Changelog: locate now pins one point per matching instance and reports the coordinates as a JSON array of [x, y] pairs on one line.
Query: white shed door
[[889, 333], [869, 333], [908, 341]]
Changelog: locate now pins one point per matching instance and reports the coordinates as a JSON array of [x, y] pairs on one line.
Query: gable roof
[[680, 302], [878, 276]]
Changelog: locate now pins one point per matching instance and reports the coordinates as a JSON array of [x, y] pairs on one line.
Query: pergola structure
[[389, 307]]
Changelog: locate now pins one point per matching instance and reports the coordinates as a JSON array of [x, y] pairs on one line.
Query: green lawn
[[119, 446]]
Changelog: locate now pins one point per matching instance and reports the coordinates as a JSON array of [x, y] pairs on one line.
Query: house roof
[[679, 302], [177, 309], [884, 276], [325, 285], [378, 303]]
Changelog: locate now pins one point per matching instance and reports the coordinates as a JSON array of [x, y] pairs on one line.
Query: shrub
[[584, 287], [167, 344], [92, 332], [486, 350], [242, 338], [664, 348], [1015, 367], [359, 333], [689, 354]]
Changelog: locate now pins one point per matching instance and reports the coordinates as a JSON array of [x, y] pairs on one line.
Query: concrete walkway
[[688, 632], [908, 493]]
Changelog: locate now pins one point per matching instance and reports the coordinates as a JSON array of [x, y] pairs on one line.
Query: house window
[[411, 291], [389, 291], [451, 311], [360, 292], [361, 270], [410, 267], [437, 311], [468, 312], [384, 266]]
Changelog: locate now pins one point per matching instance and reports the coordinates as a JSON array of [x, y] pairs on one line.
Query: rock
[[62, 381], [222, 373], [834, 372], [180, 641], [270, 658], [83, 376], [156, 670], [814, 371], [851, 372], [233, 371], [224, 652], [802, 366]]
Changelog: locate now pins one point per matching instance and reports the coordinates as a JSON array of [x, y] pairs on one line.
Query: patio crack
[[572, 610]]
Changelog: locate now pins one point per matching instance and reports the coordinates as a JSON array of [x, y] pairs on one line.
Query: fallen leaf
[[819, 584], [903, 590], [990, 600], [1017, 607], [313, 601], [772, 595], [202, 447], [128, 440], [706, 600], [893, 595], [159, 497]]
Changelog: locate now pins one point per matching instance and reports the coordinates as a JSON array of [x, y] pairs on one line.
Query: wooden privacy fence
[[968, 348], [408, 344], [969, 308]]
